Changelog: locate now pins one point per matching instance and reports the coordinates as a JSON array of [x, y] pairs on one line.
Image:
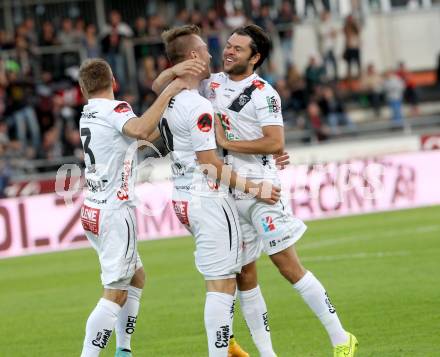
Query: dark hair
[[176, 42], [260, 41]]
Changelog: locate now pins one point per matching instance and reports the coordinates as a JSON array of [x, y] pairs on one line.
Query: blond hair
[[177, 42]]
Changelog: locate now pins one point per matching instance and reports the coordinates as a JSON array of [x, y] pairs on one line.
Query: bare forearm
[[163, 80], [150, 119], [262, 146]]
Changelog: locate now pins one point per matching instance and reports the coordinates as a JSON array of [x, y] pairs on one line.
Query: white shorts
[[113, 235], [271, 228], [213, 222]]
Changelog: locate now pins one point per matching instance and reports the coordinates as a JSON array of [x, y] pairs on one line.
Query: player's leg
[[313, 293], [126, 323], [213, 221], [279, 231], [219, 299], [252, 303], [115, 243]]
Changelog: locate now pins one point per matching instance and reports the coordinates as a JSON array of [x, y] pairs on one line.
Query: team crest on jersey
[[267, 223], [274, 105], [123, 108], [204, 123], [258, 84], [243, 99], [181, 210]]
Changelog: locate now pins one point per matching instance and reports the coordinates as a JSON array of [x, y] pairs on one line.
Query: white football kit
[[107, 215], [245, 107], [201, 204]]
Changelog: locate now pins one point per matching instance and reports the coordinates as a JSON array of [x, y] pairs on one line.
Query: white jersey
[[187, 126], [109, 165], [245, 108]]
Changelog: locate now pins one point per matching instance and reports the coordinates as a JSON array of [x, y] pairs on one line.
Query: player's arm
[[145, 125], [191, 67], [272, 141], [218, 170]]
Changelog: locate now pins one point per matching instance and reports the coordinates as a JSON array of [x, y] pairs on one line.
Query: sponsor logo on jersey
[[329, 304], [122, 108], [96, 186], [267, 223], [90, 219], [274, 106], [88, 115], [181, 210], [204, 123], [222, 337], [258, 84], [171, 103], [102, 338], [122, 193]]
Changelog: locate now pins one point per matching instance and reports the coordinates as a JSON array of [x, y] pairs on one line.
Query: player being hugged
[[108, 129], [201, 188]]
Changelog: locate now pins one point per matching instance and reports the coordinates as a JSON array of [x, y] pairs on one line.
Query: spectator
[[111, 47], [327, 35], [410, 94], [116, 24], [182, 18], [372, 86], [287, 102], [6, 42], [297, 87], [49, 61], [315, 122], [5, 169], [90, 42], [264, 19], [333, 110], [394, 88], [285, 26], [314, 75], [211, 29], [352, 52], [20, 111], [67, 35], [236, 19]]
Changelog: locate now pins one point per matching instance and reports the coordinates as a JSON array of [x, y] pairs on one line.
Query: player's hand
[[176, 86], [189, 67], [268, 193], [220, 135], [282, 160]]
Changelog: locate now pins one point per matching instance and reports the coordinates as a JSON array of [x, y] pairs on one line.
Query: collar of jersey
[[243, 81]]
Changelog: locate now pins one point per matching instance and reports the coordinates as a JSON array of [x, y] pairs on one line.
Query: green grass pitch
[[382, 272]]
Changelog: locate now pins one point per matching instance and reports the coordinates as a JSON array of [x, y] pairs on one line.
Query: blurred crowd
[[40, 101]]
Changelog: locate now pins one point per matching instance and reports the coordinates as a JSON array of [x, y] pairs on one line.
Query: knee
[[247, 279], [292, 272], [139, 277]]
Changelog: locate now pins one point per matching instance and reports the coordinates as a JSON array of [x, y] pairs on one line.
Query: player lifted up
[[250, 113], [108, 129], [201, 181]]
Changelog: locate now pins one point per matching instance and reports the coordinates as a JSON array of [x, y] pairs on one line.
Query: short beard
[[237, 70]]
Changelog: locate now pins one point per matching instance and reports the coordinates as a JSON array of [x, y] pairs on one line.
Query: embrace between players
[[231, 203]]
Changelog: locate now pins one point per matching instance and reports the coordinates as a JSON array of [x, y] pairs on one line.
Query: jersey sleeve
[[268, 108], [120, 114], [201, 127]]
